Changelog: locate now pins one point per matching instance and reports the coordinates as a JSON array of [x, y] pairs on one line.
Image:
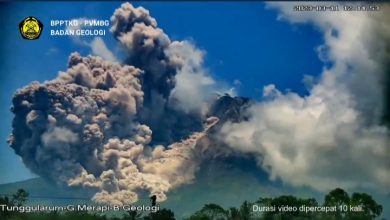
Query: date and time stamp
[[336, 7]]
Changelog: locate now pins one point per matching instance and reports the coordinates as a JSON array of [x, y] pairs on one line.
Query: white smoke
[[333, 137], [192, 79], [99, 48]]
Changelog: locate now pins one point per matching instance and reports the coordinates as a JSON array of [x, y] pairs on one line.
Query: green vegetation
[[340, 205]]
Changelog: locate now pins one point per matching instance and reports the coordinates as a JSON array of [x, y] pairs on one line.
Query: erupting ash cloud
[[166, 107], [101, 124], [81, 129], [141, 125]]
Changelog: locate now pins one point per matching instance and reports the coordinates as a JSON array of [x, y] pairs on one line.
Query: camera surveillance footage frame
[[195, 110]]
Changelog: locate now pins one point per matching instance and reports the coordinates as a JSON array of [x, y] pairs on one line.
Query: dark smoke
[[82, 129], [90, 103], [101, 124], [147, 47]]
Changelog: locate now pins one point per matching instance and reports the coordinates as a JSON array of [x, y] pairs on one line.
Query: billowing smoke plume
[[100, 124], [81, 129], [336, 136], [93, 101], [166, 107]]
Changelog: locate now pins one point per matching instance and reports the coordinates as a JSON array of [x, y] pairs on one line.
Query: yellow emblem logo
[[30, 28]]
